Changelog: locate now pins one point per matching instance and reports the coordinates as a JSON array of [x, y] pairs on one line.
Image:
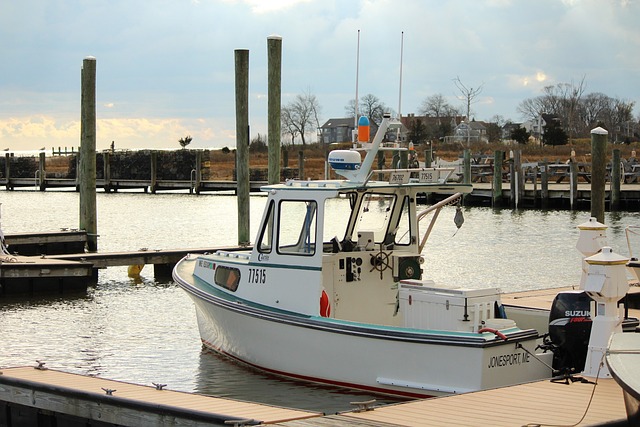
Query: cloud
[[268, 6], [29, 133]]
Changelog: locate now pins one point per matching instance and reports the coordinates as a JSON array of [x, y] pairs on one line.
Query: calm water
[[146, 332]]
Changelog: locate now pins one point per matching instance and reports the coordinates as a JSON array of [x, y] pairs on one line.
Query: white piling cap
[[592, 224], [600, 131], [606, 257], [274, 37]]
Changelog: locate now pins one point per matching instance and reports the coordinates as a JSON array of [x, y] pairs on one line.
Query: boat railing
[[435, 208], [630, 232], [420, 175], [238, 255]]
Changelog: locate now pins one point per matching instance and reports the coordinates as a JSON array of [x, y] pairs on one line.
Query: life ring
[[325, 307]]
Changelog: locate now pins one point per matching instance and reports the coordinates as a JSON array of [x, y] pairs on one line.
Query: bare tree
[[467, 94], [300, 116], [436, 106], [370, 106]]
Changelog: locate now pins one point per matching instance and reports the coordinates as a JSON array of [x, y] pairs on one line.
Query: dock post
[[41, 171], [301, 164], [466, 166], [544, 184], [198, 168], [573, 183], [404, 159], [7, 170], [87, 171], [428, 156], [380, 165], [515, 179], [497, 178], [106, 170], [599, 138], [153, 179], [242, 143], [274, 92], [616, 179]]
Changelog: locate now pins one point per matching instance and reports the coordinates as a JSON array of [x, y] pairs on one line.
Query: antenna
[[400, 89], [355, 119]]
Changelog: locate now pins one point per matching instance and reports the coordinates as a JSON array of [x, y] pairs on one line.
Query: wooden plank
[[130, 404], [535, 403]]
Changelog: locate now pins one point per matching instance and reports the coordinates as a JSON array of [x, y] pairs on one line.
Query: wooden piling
[[242, 143], [466, 166], [616, 179], [428, 156], [198, 174], [300, 164], [41, 171], [515, 179], [404, 159], [274, 53], [7, 170], [497, 178], [153, 172], [106, 170], [87, 171], [380, 165], [573, 183], [598, 172], [544, 184]]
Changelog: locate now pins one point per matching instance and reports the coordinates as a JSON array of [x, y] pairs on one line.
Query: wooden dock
[[540, 403], [55, 262], [32, 396], [46, 243], [558, 195], [32, 275]]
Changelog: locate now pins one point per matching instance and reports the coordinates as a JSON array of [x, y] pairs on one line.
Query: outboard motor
[[569, 330]]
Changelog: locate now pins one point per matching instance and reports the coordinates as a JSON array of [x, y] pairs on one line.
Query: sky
[[165, 68]]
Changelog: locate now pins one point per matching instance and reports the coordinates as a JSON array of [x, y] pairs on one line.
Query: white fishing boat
[[332, 290]]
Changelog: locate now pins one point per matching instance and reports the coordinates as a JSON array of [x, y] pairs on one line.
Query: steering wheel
[[380, 261]]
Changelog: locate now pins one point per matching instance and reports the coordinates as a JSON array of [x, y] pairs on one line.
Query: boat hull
[[387, 360]]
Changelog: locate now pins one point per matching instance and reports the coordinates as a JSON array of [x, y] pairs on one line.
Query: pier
[[37, 396], [55, 262]]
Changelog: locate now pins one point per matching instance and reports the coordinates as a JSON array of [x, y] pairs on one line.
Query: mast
[[400, 88], [355, 118]]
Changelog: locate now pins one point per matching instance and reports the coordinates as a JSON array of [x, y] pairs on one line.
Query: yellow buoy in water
[[134, 270]]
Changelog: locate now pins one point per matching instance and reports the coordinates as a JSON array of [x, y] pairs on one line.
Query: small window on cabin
[[266, 235], [403, 229], [375, 212], [227, 277], [297, 227]]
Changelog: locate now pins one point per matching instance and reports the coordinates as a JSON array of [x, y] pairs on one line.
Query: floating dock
[[36, 396], [55, 262], [31, 275]]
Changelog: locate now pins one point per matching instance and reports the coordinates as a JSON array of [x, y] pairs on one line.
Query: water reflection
[[220, 376]]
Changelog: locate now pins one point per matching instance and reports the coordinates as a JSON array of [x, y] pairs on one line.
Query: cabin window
[[403, 228], [227, 277], [266, 234], [297, 227], [375, 212], [336, 220]]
